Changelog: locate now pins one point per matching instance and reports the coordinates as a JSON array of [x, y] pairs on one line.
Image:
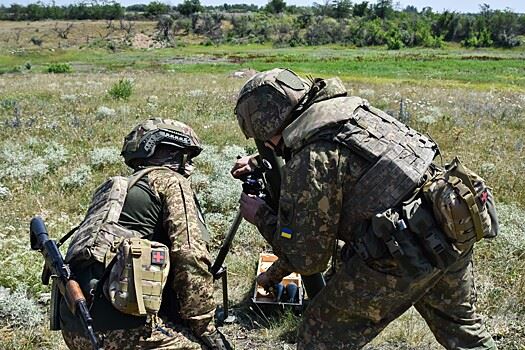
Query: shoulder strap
[[133, 179], [67, 235]]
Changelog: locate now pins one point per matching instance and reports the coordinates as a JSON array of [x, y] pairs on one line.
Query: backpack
[[462, 204], [136, 268]]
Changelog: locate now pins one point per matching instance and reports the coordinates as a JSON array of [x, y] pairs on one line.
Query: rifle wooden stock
[[73, 295]]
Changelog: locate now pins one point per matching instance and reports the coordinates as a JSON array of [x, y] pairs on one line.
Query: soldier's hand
[[264, 281], [242, 166], [249, 205]]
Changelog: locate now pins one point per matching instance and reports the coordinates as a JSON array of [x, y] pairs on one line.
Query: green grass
[[484, 69]]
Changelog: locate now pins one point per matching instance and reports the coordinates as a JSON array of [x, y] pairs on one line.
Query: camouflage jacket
[[349, 161], [162, 207]]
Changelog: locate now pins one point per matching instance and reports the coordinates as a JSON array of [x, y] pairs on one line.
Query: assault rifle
[[56, 268]]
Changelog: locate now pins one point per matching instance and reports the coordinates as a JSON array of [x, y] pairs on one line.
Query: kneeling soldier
[[141, 252]]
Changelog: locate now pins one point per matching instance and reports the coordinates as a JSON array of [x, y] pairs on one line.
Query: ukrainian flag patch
[[286, 233]]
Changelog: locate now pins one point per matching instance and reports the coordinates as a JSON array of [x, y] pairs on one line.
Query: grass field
[[61, 136]]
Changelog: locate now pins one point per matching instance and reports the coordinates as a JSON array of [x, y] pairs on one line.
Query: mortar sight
[[254, 182]]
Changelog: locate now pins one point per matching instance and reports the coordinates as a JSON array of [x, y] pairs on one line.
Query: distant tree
[[504, 28], [341, 8], [361, 10], [410, 9], [189, 7], [427, 11], [157, 8], [384, 9], [275, 6], [35, 12], [137, 8], [323, 9], [111, 11], [165, 28], [521, 25]]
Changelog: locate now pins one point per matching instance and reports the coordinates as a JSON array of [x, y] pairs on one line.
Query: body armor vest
[[100, 228], [398, 155]]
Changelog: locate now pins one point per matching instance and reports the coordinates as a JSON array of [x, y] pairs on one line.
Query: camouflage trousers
[[160, 337], [360, 301]]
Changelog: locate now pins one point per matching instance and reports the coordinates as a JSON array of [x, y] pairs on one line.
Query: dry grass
[[16, 35]]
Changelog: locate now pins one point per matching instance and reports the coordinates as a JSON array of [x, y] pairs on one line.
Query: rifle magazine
[[54, 309]]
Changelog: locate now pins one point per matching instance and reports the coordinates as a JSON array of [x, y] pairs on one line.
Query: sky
[[437, 5]]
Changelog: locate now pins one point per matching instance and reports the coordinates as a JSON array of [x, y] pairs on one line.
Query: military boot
[[216, 340]]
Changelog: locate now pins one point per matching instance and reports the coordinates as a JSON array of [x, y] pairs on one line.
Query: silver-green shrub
[[104, 112], [103, 156], [4, 192], [30, 160], [218, 190], [17, 309], [79, 177]]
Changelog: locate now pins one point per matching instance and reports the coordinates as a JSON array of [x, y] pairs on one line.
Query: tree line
[[337, 21]]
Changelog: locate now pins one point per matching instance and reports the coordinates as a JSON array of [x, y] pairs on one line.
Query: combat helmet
[[266, 102], [142, 141]]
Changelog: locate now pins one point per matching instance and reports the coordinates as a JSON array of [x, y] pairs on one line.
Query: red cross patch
[[158, 257], [484, 197]]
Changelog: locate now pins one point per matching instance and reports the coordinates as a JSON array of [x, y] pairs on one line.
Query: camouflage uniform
[[160, 207], [318, 206]]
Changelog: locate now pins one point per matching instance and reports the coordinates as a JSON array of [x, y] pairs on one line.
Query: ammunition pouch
[[392, 229], [137, 272], [432, 240], [410, 236]]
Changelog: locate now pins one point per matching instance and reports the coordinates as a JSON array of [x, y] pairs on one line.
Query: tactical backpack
[[136, 268], [462, 204]]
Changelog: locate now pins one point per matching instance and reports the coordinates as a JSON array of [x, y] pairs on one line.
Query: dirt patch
[[143, 41], [243, 73]]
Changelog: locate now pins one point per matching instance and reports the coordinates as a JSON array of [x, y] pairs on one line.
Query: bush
[[394, 43], [77, 178], [59, 68], [17, 309], [37, 41], [104, 112], [121, 90], [100, 157]]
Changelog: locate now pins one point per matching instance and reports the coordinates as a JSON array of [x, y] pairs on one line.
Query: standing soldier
[[161, 210], [356, 174]]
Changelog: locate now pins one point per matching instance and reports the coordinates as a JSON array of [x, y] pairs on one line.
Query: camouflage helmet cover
[[266, 101], [142, 141]]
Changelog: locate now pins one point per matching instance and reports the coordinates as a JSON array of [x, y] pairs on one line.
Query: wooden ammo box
[[260, 296]]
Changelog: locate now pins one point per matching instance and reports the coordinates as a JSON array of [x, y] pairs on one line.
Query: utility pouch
[[432, 240], [366, 244], [389, 227], [138, 272], [54, 306], [462, 205]]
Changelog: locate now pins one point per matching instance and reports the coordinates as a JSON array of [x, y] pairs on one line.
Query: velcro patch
[[289, 79], [158, 257], [286, 233]]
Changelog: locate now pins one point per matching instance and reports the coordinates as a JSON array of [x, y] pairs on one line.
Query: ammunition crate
[[261, 296]]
